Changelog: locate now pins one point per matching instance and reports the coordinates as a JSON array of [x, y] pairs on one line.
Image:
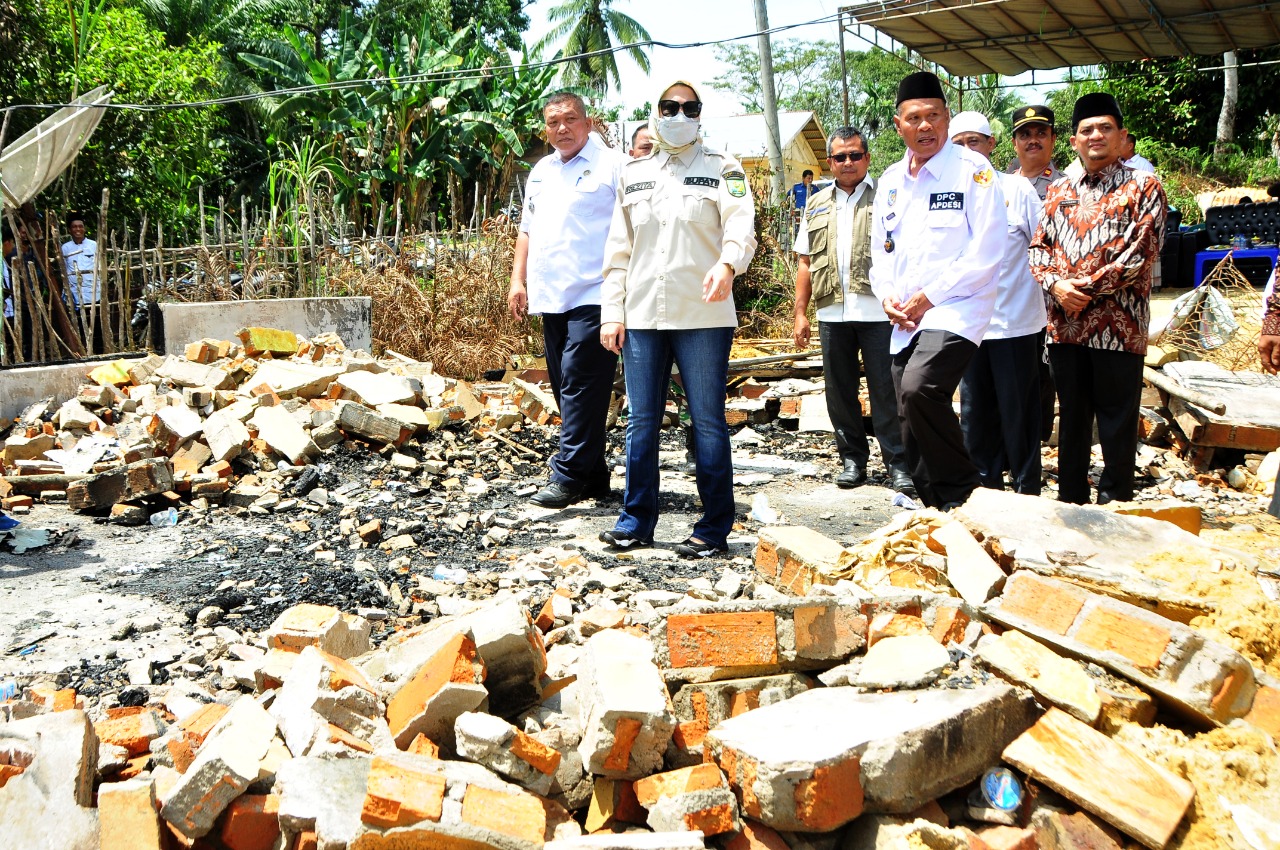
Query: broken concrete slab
[[507, 751], [1198, 676], [136, 480], [280, 430], [700, 707], [623, 708], [793, 558], [1055, 680], [289, 379], [889, 752], [48, 805], [1093, 547], [448, 683], [183, 373], [903, 662], [691, 798], [358, 419], [1089, 768], [127, 816], [680, 840], [321, 626], [970, 569], [374, 389], [324, 796]]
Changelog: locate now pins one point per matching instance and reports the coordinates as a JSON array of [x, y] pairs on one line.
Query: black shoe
[[558, 494], [597, 491], [619, 539], [853, 476], [691, 547], [903, 484]]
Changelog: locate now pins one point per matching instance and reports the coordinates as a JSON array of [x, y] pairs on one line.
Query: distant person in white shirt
[[81, 256], [557, 272], [1132, 158]]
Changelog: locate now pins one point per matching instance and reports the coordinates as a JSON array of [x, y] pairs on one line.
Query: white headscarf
[[655, 121]]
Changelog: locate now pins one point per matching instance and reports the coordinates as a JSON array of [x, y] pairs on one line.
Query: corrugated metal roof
[[1008, 37]]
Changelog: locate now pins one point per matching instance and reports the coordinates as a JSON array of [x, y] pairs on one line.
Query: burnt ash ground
[[88, 590]]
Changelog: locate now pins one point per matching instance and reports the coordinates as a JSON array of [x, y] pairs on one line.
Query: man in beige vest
[[834, 248]]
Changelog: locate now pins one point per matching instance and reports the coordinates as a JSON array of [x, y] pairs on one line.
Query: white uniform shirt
[[863, 307], [676, 218], [947, 226], [1139, 162], [8, 302], [567, 210], [82, 262], [1019, 307]]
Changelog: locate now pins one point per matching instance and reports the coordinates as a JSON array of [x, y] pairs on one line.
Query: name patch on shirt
[[639, 187], [946, 201], [709, 182]]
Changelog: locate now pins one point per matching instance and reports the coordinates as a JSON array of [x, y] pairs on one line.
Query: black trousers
[[1000, 411], [581, 372], [1103, 385], [842, 343], [925, 375]]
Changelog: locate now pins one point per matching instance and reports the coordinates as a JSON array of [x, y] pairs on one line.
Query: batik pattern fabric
[[1105, 229], [1271, 318]]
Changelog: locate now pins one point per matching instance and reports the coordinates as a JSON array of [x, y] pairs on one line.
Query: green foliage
[[141, 156], [29, 52], [591, 30], [807, 77], [1170, 100]]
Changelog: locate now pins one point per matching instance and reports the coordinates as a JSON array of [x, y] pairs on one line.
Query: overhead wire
[[453, 75]]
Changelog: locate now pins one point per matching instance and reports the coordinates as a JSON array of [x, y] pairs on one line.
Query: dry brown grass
[[455, 316]]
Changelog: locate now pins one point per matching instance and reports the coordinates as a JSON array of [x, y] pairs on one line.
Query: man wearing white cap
[[1000, 390]]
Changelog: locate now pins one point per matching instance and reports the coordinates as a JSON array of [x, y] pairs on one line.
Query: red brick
[[832, 797], [424, 746], [1051, 605], [521, 816], [1008, 838], [543, 758], [251, 822], [893, 624], [197, 725], [398, 796], [134, 732], [457, 661], [1265, 713], [756, 836], [672, 783], [828, 631], [741, 638], [8, 771], [1141, 642], [949, 625], [624, 737]]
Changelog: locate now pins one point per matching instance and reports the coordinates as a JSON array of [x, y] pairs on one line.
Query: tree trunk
[[772, 141], [1230, 94]]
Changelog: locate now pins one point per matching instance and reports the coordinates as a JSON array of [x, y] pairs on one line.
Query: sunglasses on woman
[[852, 157], [669, 108]]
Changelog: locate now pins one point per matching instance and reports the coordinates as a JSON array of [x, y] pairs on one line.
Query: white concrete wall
[[350, 318], [25, 385]]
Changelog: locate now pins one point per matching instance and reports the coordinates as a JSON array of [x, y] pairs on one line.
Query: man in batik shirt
[[1098, 239]]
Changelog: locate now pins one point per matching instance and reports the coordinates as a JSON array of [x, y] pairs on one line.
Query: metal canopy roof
[[1008, 37]]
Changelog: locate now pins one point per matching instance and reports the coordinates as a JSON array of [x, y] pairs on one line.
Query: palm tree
[[991, 100], [590, 29]]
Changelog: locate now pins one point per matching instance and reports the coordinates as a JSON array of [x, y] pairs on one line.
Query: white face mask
[[678, 130]]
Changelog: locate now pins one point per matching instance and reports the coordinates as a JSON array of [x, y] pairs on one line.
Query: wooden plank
[[1140, 798], [1205, 429]]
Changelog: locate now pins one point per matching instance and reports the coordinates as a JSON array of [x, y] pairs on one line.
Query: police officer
[[1033, 140], [1000, 391], [683, 227], [556, 272], [834, 248], [937, 240]]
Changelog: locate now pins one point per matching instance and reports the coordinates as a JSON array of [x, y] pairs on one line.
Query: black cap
[[921, 85], [1093, 105], [1024, 115]]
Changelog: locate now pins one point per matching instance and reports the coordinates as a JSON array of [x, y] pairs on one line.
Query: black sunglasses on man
[[856, 156]]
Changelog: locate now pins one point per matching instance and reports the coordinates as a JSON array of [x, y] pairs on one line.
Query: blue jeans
[[703, 357]]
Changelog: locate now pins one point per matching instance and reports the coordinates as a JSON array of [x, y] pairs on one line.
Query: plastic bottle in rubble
[[165, 518]]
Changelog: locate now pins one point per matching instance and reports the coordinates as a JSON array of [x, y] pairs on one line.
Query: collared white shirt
[[676, 218], [1138, 162], [863, 307], [82, 262], [947, 230], [1019, 308], [567, 210]]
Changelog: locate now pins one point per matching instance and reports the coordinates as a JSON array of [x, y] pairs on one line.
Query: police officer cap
[[1093, 105], [1025, 115], [921, 85]]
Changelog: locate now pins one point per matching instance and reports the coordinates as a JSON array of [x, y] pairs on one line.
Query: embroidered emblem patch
[[709, 182], [736, 183], [985, 177], [893, 196], [639, 187]]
